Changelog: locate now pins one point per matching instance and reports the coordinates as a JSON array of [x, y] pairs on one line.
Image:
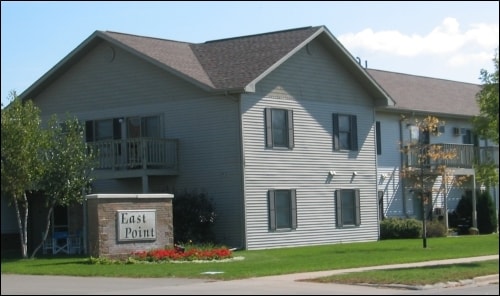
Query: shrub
[[485, 211], [435, 228], [193, 218], [391, 228]]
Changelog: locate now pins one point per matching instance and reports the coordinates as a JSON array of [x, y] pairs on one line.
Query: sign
[[136, 225]]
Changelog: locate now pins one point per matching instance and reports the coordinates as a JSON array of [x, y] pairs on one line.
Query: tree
[[486, 124], [54, 161], [68, 163], [424, 156], [22, 164]]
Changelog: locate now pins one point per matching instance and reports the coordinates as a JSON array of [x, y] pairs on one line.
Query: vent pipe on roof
[[359, 62]]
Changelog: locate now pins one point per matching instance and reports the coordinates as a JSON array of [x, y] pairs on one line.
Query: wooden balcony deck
[[466, 156], [135, 157]]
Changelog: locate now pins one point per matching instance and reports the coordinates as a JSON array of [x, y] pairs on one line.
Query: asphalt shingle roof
[[237, 63], [432, 95], [230, 63], [174, 54]]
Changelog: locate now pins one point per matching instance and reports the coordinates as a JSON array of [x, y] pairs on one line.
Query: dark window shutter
[[338, 207], [378, 137], [475, 140], [117, 129], [293, 203], [354, 133], [269, 128], [89, 131], [336, 145], [291, 143], [357, 213], [272, 211]]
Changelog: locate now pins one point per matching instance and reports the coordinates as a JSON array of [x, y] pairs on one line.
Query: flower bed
[[178, 254]]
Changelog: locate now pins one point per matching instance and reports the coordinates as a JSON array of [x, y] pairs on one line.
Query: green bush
[[391, 228], [485, 211], [435, 228], [193, 218]]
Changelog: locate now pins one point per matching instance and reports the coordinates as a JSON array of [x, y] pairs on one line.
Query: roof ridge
[[148, 37], [255, 35]]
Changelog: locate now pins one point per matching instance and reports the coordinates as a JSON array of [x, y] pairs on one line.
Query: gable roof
[[225, 65], [428, 95]]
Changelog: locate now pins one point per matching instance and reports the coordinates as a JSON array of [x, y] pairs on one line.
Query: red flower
[[180, 254]]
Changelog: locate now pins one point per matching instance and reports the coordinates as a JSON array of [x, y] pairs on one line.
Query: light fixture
[[332, 173], [354, 173]]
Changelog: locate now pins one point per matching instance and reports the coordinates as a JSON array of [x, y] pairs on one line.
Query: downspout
[[445, 201], [85, 226], [474, 210], [243, 187], [401, 164], [377, 203]]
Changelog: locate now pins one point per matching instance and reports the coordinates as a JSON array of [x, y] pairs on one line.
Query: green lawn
[[275, 261], [425, 275]]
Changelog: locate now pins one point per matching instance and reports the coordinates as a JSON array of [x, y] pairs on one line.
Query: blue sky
[[449, 40]]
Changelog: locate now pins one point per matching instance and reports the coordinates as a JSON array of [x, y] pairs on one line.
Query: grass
[[426, 275], [291, 260]]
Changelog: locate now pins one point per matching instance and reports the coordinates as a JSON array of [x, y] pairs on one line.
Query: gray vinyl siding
[[314, 87], [124, 83], [206, 126], [209, 158]]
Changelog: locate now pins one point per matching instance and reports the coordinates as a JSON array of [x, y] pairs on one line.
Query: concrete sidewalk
[[316, 274], [479, 280], [288, 284]]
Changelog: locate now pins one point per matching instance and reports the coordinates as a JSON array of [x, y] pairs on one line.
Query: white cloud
[[447, 38], [484, 35], [462, 59]]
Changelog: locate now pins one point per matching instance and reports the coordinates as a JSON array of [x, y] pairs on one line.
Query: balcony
[[466, 154], [135, 157]]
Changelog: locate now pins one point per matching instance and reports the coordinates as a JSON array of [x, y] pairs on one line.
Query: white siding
[[388, 167], [393, 132], [315, 87]]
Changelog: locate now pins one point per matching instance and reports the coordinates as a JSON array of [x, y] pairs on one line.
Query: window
[[347, 206], [345, 134], [111, 129], [441, 129], [138, 127], [282, 210], [279, 128], [99, 130], [378, 138], [466, 136]]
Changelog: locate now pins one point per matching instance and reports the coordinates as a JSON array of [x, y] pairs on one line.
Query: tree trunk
[[47, 228], [22, 225]]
